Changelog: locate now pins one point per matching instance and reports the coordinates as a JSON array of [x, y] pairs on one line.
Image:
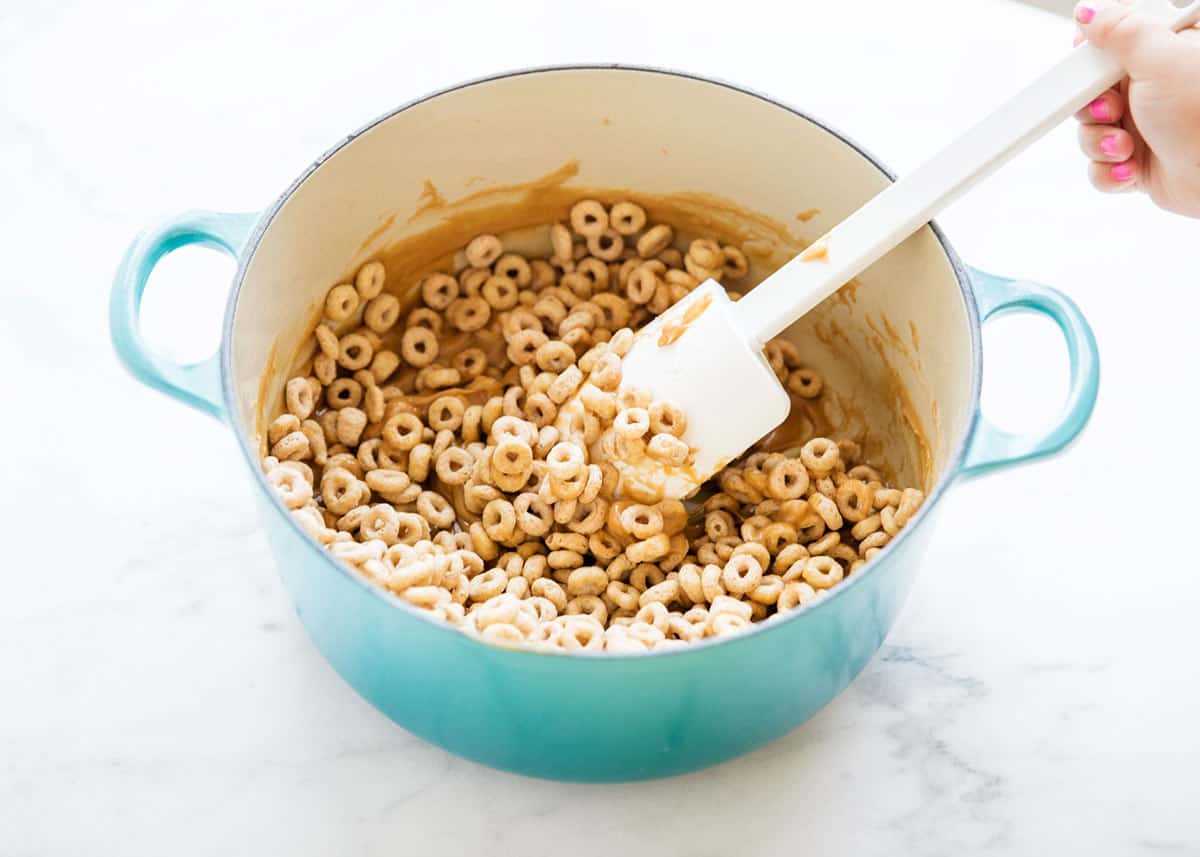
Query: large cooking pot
[[903, 347]]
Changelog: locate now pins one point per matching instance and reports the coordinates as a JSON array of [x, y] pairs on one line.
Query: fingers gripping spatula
[[706, 352]]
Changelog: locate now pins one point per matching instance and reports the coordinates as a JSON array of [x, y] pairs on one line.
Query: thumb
[[1137, 40]]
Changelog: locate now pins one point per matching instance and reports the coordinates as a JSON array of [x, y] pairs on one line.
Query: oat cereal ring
[[327, 341], [420, 459], [552, 591], [821, 456], [586, 580], [642, 285], [854, 500], [339, 490], [355, 352], [534, 516], [632, 423], [608, 245], [370, 280], [413, 529], [627, 218], [706, 253], [910, 501], [500, 292], [293, 445], [734, 262], [316, 441], [389, 484], [581, 633], [661, 593], [403, 431], [822, 572], [668, 449], [828, 511], [424, 317], [470, 363], [788, 480], [483, 250], [589, 218], [419, 346], [446, 412], [562, 245], [499, 520], [777, 536], [667, 417], [874, 541], [384, 364], [341, 302], [435, 509], [804, 383], [523, 346], [292, 487], [382, 313], [344, 393], [795, 594], [641, 521], [516, 268], [595, 271], [655, 241], [438, 291], [469, 314], [382, 522], [741, 574], [512, 457], [298, 396], [350, 425]]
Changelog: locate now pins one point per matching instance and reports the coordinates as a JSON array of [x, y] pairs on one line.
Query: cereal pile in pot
[[430, 449]]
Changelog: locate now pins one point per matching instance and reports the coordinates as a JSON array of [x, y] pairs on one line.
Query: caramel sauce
[[818, 251], [375, 233], [673, 330], [807, 215]]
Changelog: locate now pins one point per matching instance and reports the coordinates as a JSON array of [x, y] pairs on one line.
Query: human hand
[[1144, 134]]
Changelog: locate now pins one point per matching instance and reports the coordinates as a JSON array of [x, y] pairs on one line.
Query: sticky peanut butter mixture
[[429, 448]]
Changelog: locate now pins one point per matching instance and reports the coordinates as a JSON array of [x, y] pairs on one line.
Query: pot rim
[[267, 217]]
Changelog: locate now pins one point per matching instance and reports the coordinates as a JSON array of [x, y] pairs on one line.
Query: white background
[[157, 694]]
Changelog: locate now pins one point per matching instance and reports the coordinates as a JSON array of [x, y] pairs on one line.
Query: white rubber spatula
[[706, 352]]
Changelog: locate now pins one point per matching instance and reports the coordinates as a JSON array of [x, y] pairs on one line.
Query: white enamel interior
[[653, 133]]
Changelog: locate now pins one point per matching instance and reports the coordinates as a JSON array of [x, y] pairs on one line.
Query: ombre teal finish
[[198, 384], [991, 447], [589, 718], [598, 718]]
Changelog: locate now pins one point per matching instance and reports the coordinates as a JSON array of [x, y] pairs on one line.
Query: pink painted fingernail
[[1084, 14], [1099, 110], [1122, 172], [1108, 145]]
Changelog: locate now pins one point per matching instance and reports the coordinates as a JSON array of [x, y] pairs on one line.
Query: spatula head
[[695, 355]]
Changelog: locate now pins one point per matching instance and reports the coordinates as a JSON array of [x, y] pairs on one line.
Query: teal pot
[[912, 324]]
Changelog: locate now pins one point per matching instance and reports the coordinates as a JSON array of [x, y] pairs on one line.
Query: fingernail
[[1108, 145], [1099, 109], [1084, 14], [1122, 172]]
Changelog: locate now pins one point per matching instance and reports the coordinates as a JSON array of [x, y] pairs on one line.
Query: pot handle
[[196, 384], [991, 447]]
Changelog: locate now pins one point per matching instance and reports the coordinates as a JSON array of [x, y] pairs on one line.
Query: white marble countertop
[[157, 694]]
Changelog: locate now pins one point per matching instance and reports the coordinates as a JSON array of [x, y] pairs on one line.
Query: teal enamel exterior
[[577, 717], [991, 447], [198, 384], [589, 718]]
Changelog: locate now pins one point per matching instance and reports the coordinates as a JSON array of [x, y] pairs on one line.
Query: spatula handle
[[903, 207]]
